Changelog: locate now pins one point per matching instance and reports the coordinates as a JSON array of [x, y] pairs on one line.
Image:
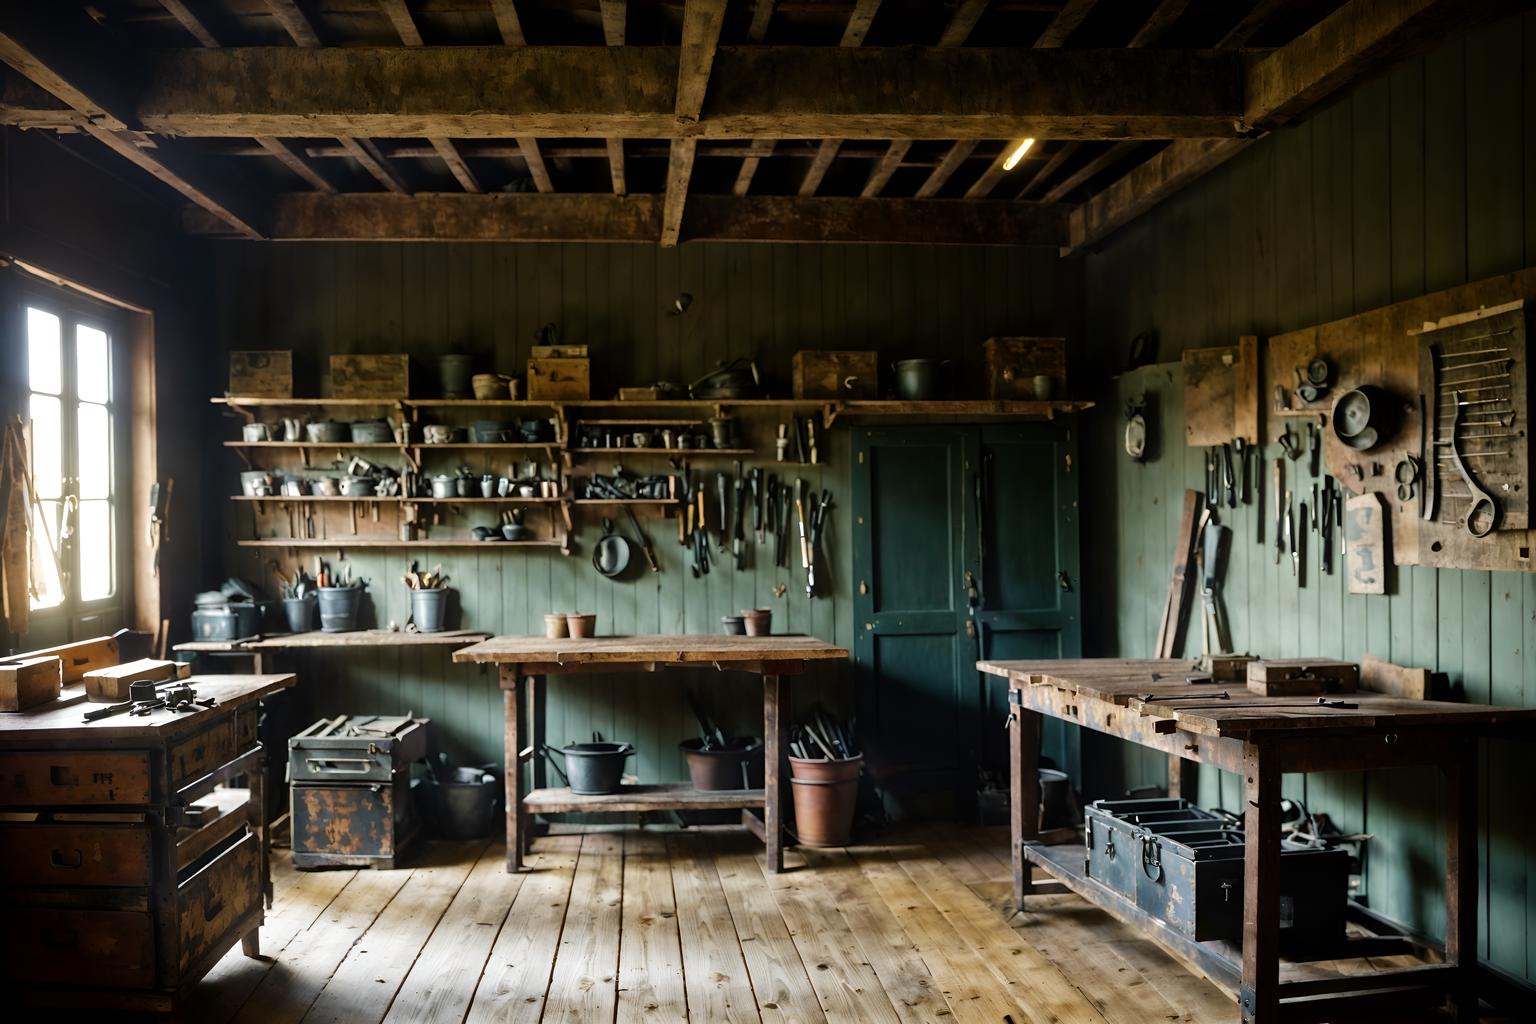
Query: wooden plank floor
[[631, 926]]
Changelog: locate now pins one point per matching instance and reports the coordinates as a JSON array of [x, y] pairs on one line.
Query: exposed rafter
[[508, 23], [529, 149], [375, 163], [456, 164], [1062, 155], [294, 162], [696, 58], [1064, 23], [863, 16], [405, 26], [826, 152], [190, 21], [615, 14], [399, 16], [957, 155], [636, 92], [294, 21], [568, 217], [983, 186], [1159, 21], [963, 22], [762, 13], [1248, 24], [1088, 171], [885, 168], [749, 162]]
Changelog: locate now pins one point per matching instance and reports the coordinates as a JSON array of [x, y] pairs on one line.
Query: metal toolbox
[[350, 797], [1184, 865]]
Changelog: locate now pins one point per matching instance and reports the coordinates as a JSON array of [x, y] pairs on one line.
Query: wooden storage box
[[111, 684], [843, 374], [559, 380], [376, 376], [261, 374], [1012, 364], [78, 658], [1299, 677], [28, 682]]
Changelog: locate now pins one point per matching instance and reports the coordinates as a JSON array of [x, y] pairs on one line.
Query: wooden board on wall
[[1221, 393], [1380, 347]]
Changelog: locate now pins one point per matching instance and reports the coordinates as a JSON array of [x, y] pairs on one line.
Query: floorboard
[[669, 927]]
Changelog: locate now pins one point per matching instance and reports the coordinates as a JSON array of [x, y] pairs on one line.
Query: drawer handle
[[61, 861], [324, 765]]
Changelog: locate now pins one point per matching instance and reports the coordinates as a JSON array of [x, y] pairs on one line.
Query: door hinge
[[970, 628]]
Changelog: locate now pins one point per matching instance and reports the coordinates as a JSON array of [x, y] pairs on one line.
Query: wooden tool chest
[[129, 863], [350, 790]]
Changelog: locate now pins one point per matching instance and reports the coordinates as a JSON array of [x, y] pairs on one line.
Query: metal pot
[[454, 371], [735, 379], [256, 432], [327, 432], [444, 486], [357, 487], [917, 380], [372, 432], [594, 769]]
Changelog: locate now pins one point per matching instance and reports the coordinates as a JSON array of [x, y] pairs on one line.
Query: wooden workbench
[[113, 896], [532, 660], [257, 648], [1169, 706]]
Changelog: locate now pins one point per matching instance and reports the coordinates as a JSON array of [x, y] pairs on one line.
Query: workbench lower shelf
[[636, 798]]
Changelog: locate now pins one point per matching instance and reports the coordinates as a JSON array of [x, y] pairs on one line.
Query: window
[[74, 462]]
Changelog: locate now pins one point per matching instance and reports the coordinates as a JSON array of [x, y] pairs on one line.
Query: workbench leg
[[1259, 1000], [512, 709], [1460, 771], [256, 783], [537, 704], [1023, 795], [1183, 777], [775, 742]]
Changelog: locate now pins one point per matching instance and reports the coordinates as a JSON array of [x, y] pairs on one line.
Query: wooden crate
[[387, 375], [1302, 677], [559, 380], [78, 658], [1012, 364], [261, 374], [844, 374], [28, 682]]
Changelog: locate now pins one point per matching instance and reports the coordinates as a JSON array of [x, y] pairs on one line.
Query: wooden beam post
[[701, 37], [1024, 792], [1259, 999], [1459, 769], [615, 28]]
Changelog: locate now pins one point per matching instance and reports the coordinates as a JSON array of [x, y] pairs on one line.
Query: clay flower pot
[[581, 624], [554, 626]]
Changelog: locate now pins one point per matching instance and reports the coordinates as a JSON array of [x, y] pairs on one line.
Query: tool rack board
[[1381, 347]]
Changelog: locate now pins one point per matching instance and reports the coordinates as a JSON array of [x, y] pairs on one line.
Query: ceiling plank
[[963, 22], [569, 217], [881, 174], [190, 21], [957, 155], [1115, 151], [615, 14], [529, 148], [1248, 24], [679, 171], [1351, 43], [826, 152], [983, 186], [294, 162], [294, 21], [1159, 21], [642, 92], [1062, 155], [399, 16], [615, 149], [859, 20], [1064, 23], [762, 14], [749, 164], [456, 164], [508, 23], [375, 163]]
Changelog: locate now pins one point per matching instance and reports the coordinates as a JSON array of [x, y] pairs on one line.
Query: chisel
[[740, 514], [805, 547], [757, 502], [1279, 518], [722, 485]]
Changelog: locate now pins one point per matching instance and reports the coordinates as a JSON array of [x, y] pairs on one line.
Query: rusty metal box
[[350, 798]]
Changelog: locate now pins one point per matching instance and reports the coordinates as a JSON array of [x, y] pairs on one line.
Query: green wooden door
[[959, 536]]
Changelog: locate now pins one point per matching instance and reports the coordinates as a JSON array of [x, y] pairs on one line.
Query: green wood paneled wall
[[1419, 181], [766, 301]]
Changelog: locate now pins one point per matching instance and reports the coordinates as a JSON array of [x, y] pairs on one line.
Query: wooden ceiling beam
[[405, 27], [615, 15], [749, 162], [508, 23], [762, 14], [702, 20], [529, 148], [569, 217], [1116, 151], [375, 163], [1158, 22], [399, 16], [881, 173], [198, 28], [1248, 24], [1350, 44], [1064, 23], [963, 22], [294, 21], [859, 21], [1062, 155], [957, 155], [675, 198], [294, 162], [456, 164], [657, 92], [826, 152]]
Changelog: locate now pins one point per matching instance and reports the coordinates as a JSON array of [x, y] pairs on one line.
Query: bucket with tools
[[824, 769]]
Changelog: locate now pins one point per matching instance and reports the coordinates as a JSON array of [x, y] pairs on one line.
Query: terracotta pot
[[554, 626], [825, 793], [759, 621], [582, 625]]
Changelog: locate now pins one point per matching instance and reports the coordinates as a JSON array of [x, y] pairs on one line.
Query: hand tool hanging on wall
[[805, 550], [1228, 476], [1240, 449], [818, 520], [786, 513], [738, 538], [1289, 533], [723, 489], [645, 540], [1191, 521], [1277, 484], [1482, 516], [1313, 507], [1212, 478], [1325, 528], [757, 502], [1314, 448], [1213, 567]]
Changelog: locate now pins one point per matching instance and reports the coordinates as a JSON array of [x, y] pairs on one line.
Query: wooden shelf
[[664, 797], [300, 445], [376, 542], [628, 501], [687, 453], [517, 445], [957, 409], [254, 400], [401, 500]]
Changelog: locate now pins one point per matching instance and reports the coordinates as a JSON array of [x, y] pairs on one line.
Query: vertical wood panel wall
[[1417, 182], [488, 299]]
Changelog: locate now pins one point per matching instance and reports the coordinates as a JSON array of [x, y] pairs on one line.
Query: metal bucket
[[429, 608], [454, 371], [338, 608], [300, 612], [917, 380], [825, 793], [594, 769], [465, 805]]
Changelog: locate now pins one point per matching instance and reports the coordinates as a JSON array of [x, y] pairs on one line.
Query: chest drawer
[[245, 728], [44, 778], [200, 753], [219, 894], [49, 946], [38, 853]]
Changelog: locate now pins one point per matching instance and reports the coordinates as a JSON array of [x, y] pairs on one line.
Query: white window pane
[[47, 446], [94, 540], [44, 354], [47, 592], [95, 441], [93, 364]]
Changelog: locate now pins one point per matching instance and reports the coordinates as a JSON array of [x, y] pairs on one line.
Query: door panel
[[913, 486]]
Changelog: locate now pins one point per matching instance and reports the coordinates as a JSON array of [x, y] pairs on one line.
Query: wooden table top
[[353, 638], [1196, 707], [63, 719], [696, 649]]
